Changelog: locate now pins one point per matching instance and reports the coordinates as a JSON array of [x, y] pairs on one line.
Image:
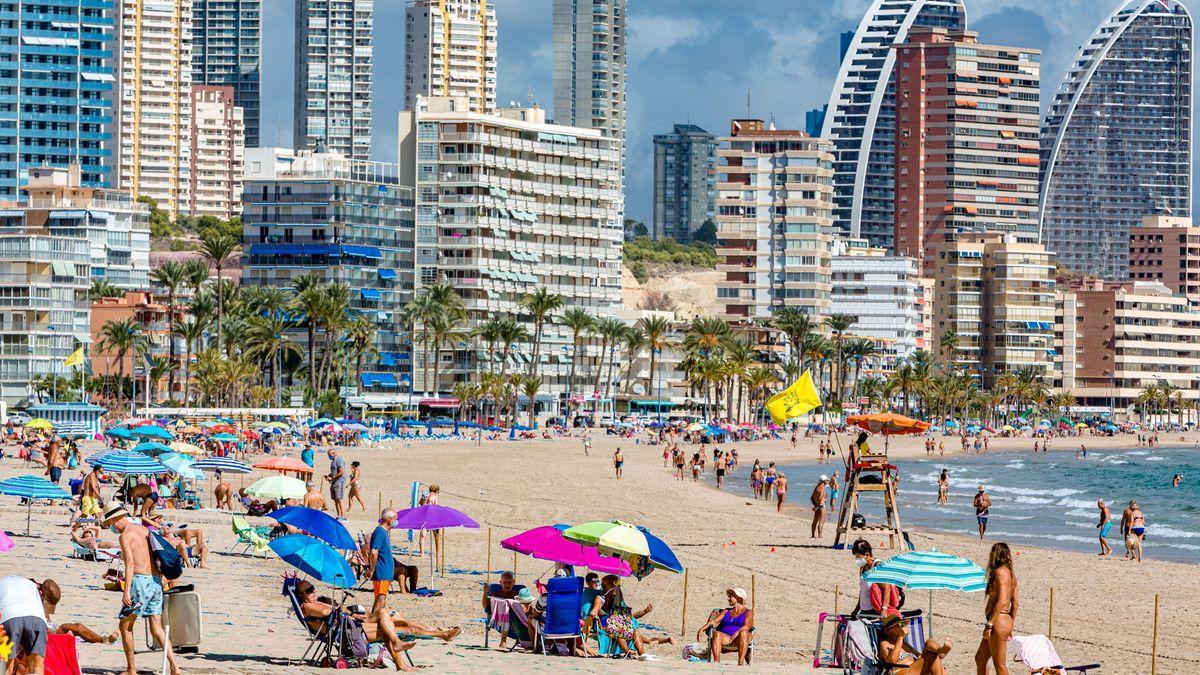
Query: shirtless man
[[894, 650], [56, 461], [89, 500], [142, 587], [223, 493], [618, 462], [818, 506], [722, 465], [313, 499], [88, 536], [983, 504], [1104, 526]]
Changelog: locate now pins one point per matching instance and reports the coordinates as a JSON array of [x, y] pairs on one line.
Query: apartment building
[[589, 41], [685, 178], [996, 295], [227, 52], [774, 213], [150, 315], [154, 109], [885, 293], [1166, 249], [966, 140], [450, 51], [506, 204], [334, 56], [218, 152]]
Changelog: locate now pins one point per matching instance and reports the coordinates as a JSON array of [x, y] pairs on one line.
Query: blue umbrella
[[315, 558], [223, 464], [316, 523], [125, 461], [181, 465], [224, 438], [930, 570], [120, 432], [31, 488], [152, 431], [96, 457], [152, 448]]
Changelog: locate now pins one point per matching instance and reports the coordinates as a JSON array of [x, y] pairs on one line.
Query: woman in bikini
[[943, 487], [1000, 610], [316, 616], [780, 491], [355, 491]]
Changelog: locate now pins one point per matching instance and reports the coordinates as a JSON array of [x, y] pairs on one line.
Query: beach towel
[[499, 617], [1035, 651]]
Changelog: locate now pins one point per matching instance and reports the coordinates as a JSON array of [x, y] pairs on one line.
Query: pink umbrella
[[6, 544], [548, 543]]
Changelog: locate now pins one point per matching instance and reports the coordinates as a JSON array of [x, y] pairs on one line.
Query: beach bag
[[170, 563], [353, 637]]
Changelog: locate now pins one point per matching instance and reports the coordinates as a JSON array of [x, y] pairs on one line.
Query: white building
[[886, 294], [154, 106], [589, 65], [218, 149], [334, 54], [450, 50], [507, 204]]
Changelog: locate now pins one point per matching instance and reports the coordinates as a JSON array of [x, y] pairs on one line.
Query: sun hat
[[892, 620], [114, 512], [980, 488], [524, 596], [739, 593]]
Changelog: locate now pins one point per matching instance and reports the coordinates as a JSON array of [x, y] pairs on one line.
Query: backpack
[[170, 564]]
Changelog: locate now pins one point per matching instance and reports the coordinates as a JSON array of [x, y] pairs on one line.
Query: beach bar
[[71, 417]]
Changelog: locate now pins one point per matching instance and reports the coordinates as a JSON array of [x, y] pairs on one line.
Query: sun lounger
[[248, 538], [1038, 655], [564, 595], [327, 641], [94, 554]]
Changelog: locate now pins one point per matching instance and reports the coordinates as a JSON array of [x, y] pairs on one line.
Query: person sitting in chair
[[316, 611], [88, 537], [732, 629], [618, 619], [897, 654]]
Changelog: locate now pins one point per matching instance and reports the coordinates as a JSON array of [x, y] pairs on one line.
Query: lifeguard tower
[[870, 472]]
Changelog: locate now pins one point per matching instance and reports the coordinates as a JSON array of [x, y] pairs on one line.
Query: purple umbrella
[[432, 517], [547, 543], [6, 544]]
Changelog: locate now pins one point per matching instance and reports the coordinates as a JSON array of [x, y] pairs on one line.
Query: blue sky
[[687, 60]]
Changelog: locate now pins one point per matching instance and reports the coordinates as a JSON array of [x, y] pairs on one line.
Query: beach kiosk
[[71, 417]]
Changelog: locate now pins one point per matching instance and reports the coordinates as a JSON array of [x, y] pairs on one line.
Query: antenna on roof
[[747, 102]]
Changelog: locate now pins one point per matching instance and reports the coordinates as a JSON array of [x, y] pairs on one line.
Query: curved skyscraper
[[1117, 140], [861, 116]]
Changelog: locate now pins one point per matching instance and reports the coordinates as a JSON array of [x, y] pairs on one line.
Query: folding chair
[[1038, 654], [487, 620], [564, 596], [247, 537], [325, 640]]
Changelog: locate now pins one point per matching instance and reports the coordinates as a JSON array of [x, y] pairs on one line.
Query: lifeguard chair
[[870, 472]]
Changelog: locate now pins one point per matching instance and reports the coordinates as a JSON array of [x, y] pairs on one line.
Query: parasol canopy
[[127, 462], [887, 424], [284, 465], [223, 464], [315, 558], [317, 524], [547, 543], [633, 544], [277, 487]]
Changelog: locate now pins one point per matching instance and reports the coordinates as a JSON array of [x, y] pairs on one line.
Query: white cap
[[824, 477]]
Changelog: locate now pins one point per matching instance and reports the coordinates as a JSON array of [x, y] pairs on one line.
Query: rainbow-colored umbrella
[[634, 544]]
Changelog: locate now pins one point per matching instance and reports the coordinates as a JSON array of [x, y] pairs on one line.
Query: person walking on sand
[[982, 503], [722, 465], [833, 491], [141, 590], [618, 462], [1000, 611], [337, 483], [818, 506], [587, 441], [780, 492], [355, 487], [1105, 525]]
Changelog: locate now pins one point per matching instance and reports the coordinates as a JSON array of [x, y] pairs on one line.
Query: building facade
[[154, 109], [227, 52], [774, 213], [887, 297], [685, 178], [349, 222], [1124, 337], [218, 152], [450, 51], [507, 204], [58, 91], [860, 115], [1117, 139], [151, 316], [995, 294], [589, 42], [334, 54], [1166, 249], [966, 139]]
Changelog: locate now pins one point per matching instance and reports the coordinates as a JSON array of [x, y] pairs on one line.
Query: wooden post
[[836, 598], [683, 621], [488, 570], [1154, 647], [753, 593], [1050, 632], [380, 502], [514, 564]]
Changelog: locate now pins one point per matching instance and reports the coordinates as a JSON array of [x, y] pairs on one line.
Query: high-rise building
[[57, 90], [860, 115], [1166, 249], [450, 51], [218, 152], [685, 176], [885, 293], [1117, 140], [774, 212], [346, 221], [506, 204], [227, 52], [589, 65], [995, 294], [334, 56], [966, 140], [154, 109]]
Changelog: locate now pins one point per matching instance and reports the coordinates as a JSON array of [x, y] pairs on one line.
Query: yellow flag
[[75, 358], [794, 401]]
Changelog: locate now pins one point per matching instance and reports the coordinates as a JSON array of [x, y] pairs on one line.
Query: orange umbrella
[[222, 429], [888, 424], [285, 465]]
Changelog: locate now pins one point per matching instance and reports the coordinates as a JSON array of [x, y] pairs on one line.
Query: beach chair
[[328, 642], [95, 554], [509, 619], [248, 538], [1037, 653], [487, 620], [730, 649], [564, 596], [854, 642]]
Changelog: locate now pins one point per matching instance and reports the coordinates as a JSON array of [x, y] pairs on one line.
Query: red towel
[[61, 657]]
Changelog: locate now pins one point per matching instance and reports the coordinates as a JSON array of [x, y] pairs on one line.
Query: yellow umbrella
[[39, 423], [186, 448]]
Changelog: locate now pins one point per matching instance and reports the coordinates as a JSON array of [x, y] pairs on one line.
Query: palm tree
[[656, 330], [739, 356], [468, 395], [309, 296], [217, 249], [511, 333], [121, 336], [360, 336], [578, 321], [611, 330], [196, 272], [758, 380], [268, 340], [838, 325], [635, 342], [103, 288], [332, 316], [172, 276], [442, 328], [530, 387], [948, 345], [432, 302], [797, 326], [191, 332], [541, 304], [159, 368], [490, 331]]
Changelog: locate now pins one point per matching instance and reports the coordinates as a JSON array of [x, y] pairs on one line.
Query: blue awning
[[369, 252], [370, 294], [294, 249], [387, 274], [387, 359], [379, 380]]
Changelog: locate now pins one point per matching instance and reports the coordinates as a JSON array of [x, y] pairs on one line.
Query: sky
[[688, 61]]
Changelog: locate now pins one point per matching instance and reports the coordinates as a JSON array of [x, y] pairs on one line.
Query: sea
[[1043, 499]]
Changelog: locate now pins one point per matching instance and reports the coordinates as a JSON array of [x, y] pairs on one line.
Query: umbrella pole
[[931, 612], [28, 516]]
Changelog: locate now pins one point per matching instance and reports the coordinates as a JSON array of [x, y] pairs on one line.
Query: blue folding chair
[[564, 595]]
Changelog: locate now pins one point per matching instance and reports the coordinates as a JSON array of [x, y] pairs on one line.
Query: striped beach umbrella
[[634, 544], [96, 457], [152, 448], [31, 488], [932, 571], [129, 462], [222, 464]]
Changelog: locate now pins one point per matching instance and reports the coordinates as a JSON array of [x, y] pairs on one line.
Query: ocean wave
[[1156, 459], [1170, 532], [1076, 504], [1031, 492], [1137, 452], [1037, 501]]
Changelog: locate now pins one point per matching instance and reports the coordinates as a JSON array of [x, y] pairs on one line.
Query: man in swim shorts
[[142, 589], [818, 506], [1105, 525], [982, 505]]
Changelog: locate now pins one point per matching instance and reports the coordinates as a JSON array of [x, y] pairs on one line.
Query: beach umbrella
[[152, 448], [279, 425], [317, 524], [119, 432], [1007, 427], [136, 422], [278, 487], [128, 462], [951, 424], [222, 464], [224, 438], [315, 558], [1080, 425], [888, 424], [6, 543], [251, 434], [547, 543], [222, 429], [96, 457], [284, 465], [355, 426], [320, 422], [189, 430], [929, 570], [152, 431], [636, 545], [433, 517], [186, 448], [31, 488], [179, 464], [39, 423]]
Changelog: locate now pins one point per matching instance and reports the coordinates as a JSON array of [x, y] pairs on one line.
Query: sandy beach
[[1103, 609]]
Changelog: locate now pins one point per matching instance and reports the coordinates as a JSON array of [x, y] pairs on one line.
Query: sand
[[1103, 608]]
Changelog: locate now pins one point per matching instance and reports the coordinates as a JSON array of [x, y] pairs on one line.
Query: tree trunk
[[537, 348], [220, 306], [312, 354], [170, 345]]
